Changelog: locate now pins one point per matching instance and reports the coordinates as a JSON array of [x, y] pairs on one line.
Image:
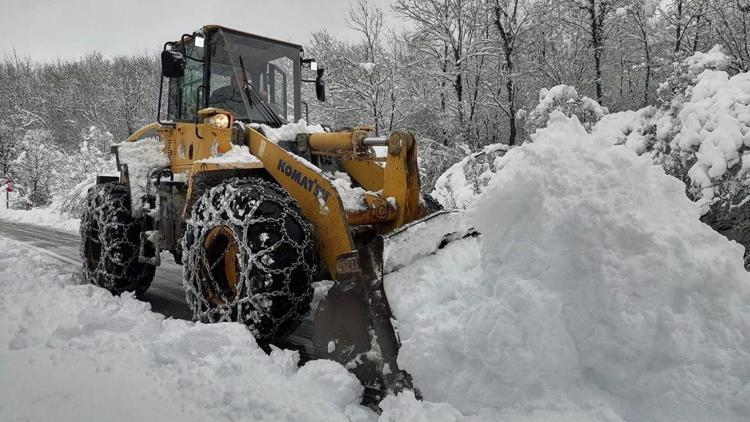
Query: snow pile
[[75, 352], [353, 198], [565, 99], [463, 182], [238, 154], [594, 293], [41, 216], [142, 157], [405, 407], [288, 131]]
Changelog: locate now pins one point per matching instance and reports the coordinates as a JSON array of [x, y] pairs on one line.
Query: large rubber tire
[[110, 242], [249, 256]]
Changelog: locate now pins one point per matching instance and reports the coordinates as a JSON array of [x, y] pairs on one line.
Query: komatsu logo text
[[310, 184]]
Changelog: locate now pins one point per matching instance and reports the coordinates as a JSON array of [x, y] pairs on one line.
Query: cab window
[[186, 93]]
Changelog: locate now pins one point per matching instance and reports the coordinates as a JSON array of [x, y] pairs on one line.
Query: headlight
[[220, 121]]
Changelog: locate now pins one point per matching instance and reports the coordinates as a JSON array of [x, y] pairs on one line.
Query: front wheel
[[249, 256], [110, 240]]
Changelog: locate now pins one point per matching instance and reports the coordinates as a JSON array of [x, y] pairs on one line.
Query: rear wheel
[[110, 242], [249, 256]]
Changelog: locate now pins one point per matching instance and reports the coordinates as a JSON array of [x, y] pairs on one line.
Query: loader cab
[[212, 68]]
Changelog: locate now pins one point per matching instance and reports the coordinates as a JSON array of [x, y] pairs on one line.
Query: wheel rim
[[219, 266], [93, 247]]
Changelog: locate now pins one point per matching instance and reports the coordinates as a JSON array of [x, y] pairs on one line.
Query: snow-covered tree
[[565, 99], [35, 166]]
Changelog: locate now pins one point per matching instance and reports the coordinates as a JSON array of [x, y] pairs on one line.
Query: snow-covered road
[[72, 351], [165, 295]]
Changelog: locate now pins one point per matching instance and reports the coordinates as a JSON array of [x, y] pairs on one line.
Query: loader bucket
[[353, 323]]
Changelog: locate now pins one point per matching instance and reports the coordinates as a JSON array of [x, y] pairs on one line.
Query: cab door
[[187, 95]]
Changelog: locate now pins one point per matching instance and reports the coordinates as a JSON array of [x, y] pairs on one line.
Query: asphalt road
[[165, 295]]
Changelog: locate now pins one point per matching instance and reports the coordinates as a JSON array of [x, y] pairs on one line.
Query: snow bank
[[48, 217], [142, 157], [75, 352], [594, 293], [462, 183]]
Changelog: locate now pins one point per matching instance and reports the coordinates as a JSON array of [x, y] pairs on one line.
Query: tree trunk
[[459, 87], [678, 28], [648, 73], [511, 98], [697, 31], [597, 18]]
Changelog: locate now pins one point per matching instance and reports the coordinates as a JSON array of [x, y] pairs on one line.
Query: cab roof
[[211, 28]]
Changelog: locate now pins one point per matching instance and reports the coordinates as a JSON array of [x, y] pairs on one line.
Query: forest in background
[[463, 75]]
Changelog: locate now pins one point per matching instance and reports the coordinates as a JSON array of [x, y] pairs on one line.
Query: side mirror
[[172, 64], [320, 86]]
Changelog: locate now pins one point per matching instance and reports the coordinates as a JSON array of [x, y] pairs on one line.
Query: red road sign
[[9, 185]]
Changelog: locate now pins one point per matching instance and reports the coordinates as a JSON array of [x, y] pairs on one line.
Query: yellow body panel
[[144, 131], [401, 179], [331, 141], [316, 196], [369, 174], [393, 197], [184, 147]]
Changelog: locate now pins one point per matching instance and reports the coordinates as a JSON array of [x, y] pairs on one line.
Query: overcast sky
[[48, 29]]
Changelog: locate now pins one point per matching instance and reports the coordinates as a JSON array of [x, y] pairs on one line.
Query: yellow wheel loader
[[254, 231]]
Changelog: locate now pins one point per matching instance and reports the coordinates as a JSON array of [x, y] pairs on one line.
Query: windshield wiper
[[264, 107]]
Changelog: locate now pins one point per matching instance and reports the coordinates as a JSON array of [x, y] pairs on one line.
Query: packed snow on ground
[[74, 352], [237, 154], [142, 157], [593, 294]]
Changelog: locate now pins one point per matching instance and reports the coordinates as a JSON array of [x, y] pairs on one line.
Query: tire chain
[[118, 270], [236, 203]]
